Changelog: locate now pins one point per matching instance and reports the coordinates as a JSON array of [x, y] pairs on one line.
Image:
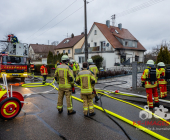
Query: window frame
[[69, 51], [95, 32]]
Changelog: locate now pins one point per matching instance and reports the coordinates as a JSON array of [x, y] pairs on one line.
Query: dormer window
[[67, 41], [95, 32]]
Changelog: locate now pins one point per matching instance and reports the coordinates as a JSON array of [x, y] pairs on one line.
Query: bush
[[97, 59]]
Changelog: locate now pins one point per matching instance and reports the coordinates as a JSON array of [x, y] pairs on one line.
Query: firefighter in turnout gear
[[149, 80], [78, 68], [44, 73], [93, 68], [86, 80], [162, 80], [65, 79], [32, 68], [74, 68]]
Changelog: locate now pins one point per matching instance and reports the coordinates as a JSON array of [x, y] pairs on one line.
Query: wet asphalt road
[[40, 120]]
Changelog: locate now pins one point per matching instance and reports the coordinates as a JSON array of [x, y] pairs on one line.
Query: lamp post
[[85, 22]]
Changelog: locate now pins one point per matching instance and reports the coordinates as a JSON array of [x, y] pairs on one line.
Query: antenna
[[113, 17]]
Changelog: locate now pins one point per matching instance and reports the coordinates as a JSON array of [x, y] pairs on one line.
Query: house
[[114, 44], [68, 45], [39, 51]]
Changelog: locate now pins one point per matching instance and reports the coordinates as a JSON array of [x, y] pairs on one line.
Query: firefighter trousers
[[163, 90], [44, 79], [150, 92], [67, 93], [87, 103]]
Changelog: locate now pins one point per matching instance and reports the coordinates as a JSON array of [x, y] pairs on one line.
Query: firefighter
[[78, 68], [93, 68], [149, 80], [162, 81], [44, 73], [14, 40], [32, 68], [65, 79], [86, 80], [74, 68]]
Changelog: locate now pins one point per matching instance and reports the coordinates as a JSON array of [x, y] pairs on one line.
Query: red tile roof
[[71, 43], [39, 48], [110, 34]]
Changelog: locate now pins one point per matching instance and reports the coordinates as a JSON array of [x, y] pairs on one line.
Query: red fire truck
[[13, 66]]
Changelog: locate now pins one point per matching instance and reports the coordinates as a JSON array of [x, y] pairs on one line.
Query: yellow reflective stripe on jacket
[[74, 67], [162, 72], [89, 90], [146, 75], [148, 85], [66, 85]]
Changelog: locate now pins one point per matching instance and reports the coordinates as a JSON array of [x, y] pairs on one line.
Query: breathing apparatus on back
[[152, 72], [161, 65]]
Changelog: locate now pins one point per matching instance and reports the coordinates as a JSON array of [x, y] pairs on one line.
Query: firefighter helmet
[[161, 64], [64, 58], [150, 62], [90, 60]]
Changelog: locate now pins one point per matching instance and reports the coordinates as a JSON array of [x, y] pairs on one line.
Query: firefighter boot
[[60, 110], [156, 104], [70, 112], [86, 114], [96, 98], [92, 114]]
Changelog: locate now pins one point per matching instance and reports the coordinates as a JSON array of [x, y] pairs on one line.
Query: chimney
[[72, 35], [120, 26], [108, 23], [37, 43]]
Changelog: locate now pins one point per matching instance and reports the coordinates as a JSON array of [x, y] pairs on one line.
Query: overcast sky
[[26, 18]]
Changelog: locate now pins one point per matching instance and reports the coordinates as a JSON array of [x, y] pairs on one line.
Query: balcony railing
[[94, 49]]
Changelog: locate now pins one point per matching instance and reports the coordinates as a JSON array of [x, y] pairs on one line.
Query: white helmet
[[161, 64], [90, 60], [150, 62], [64, 57]]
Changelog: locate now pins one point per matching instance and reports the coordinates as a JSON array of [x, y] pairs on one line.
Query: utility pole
[[85, 22]]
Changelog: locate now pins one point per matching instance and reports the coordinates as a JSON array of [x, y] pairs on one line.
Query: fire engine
[[13, 62]]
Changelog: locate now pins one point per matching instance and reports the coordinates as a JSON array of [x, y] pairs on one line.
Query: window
[[57, 52], [95, 32], [63, 51], [89, 45], [68, 51], [81, 59], [13, 60], [95, 44], [133, 44], [126, 43], [136, 58]]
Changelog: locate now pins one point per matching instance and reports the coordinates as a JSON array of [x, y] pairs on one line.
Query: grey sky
[[24, 18]]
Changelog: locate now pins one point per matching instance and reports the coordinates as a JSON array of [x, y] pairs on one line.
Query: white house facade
[[114, 44]]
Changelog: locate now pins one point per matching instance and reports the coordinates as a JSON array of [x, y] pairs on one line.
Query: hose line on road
[[120, 117], [113, 119]]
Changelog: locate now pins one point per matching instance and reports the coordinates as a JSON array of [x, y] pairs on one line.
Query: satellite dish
[[107, 44]]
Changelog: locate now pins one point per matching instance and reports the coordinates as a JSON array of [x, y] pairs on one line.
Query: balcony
[[94, 49]]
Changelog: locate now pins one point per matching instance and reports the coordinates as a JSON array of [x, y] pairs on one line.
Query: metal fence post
[[134, 75]]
